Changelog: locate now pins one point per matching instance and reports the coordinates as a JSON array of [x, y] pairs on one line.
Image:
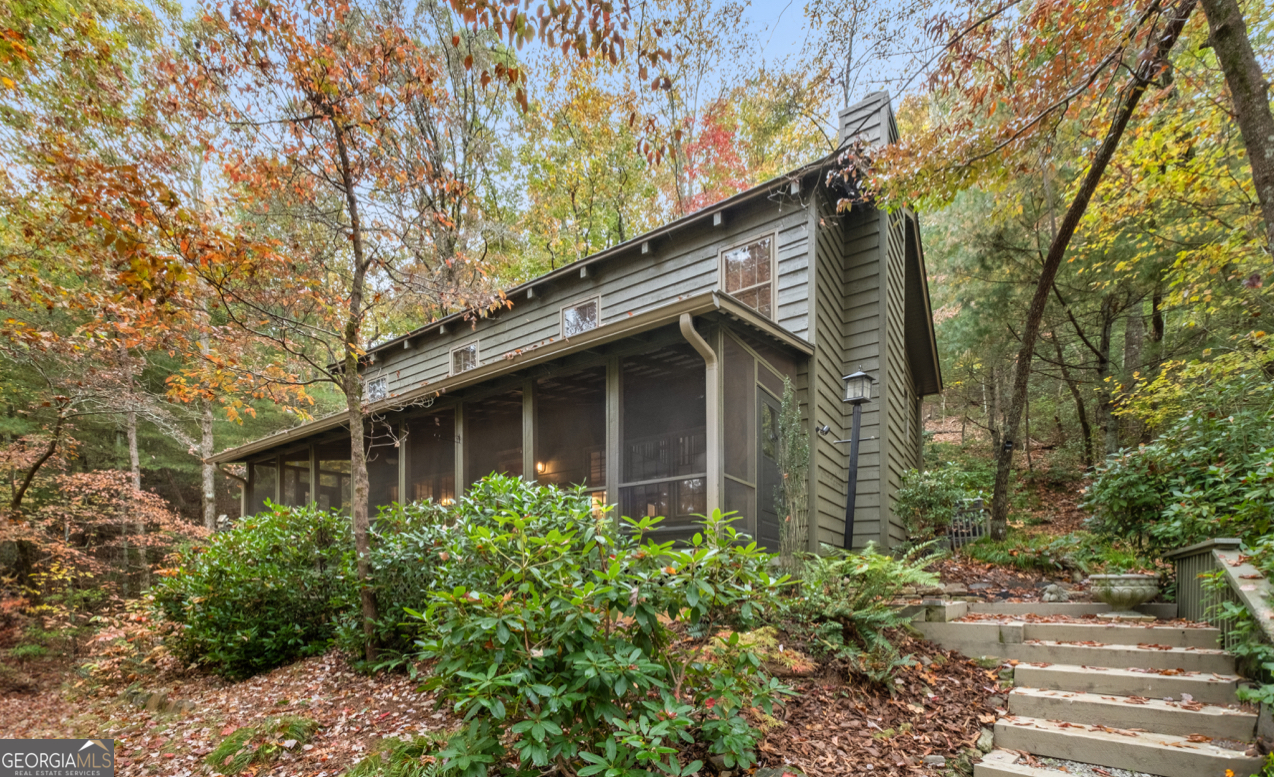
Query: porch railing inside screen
[[1199, 601], [969, 523]]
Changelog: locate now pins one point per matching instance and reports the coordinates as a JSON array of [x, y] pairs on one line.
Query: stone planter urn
[[1123, 593]]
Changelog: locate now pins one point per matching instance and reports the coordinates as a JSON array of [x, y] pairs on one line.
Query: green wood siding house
[[651, 372]]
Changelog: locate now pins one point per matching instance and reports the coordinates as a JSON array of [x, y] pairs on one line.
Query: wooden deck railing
[[1245, 586]]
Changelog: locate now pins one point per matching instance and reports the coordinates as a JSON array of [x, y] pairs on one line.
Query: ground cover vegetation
[[540, 618]]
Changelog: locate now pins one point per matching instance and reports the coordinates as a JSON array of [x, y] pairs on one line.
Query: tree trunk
[[208, 469], [1026, 438], [1134, 342], [1163, 44], [1081, 412], [1105, 387], [993, 409], [1250, 92], [352, 385], [135, 466], [15, 503], [134, 457]]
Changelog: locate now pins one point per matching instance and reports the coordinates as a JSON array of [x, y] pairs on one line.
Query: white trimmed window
[[747, 274], [464, 358], [581, 317], [377, 389]]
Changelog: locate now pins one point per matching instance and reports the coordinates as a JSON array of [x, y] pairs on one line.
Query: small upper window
[[748, 274], [377, 389], [464, 358], [580, 317]]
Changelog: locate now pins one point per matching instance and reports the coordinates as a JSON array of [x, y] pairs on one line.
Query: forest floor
[[835, 724]]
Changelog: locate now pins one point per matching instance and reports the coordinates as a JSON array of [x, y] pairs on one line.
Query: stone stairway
[[1154, 698]]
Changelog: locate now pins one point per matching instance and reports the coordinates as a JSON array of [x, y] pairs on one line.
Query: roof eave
[[700, 304]]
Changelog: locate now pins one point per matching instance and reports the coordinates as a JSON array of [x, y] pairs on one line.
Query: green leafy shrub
[[403, 564], [261, 595], [1209, 474], [582, 647], [844, 605], [928, 500], [261, 744], [406, 561]]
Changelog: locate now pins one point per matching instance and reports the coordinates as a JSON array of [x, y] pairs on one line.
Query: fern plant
[[414, 757], [261, 744], [844, 608]]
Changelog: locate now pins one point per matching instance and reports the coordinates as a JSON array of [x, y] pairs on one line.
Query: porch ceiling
[[702, 304]]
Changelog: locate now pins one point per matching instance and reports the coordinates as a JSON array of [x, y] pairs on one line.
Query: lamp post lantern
[[857, 392]]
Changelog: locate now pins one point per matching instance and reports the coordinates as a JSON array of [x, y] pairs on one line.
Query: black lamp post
[[857, 392]]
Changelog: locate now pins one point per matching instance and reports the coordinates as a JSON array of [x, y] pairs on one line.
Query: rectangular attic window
[[580, 317], [377, 389], [747, 272], [464, 358]]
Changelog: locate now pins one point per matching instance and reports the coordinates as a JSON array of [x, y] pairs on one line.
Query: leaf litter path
[[835, 725], [353, 711], [939, 706]]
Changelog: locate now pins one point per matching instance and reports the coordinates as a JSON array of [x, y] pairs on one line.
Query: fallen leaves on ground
[[834, 728], [353, 711]]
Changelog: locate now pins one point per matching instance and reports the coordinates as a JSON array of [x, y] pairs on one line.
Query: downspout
[[712, 402]]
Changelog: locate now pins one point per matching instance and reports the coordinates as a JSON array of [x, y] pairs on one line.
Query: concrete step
[[1130, 657], [1112, 634], [1144, 714], [1163, 611], [1002, 763], [988, 638], [1011, 641], [1204, 687], [1159, 754]]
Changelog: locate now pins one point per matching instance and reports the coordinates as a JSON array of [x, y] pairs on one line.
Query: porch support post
[[314, 474], [245, 493], [528, 431], [712, 400], [278, 479], [403, 431], [460, 449], [614, 432]]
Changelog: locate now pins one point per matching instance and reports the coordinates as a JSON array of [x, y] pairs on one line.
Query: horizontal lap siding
[[860, 271], [828, 460], [628, 285], [900, 404], [793, 270]]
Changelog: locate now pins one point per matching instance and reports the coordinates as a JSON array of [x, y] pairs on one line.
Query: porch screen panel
[[739, 415], [664, 466], [382, 467], [431, 458], [493, 436], [570, 429], [296, 478], [333, 475], [780, 360], [265, 476], [739, 500]]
